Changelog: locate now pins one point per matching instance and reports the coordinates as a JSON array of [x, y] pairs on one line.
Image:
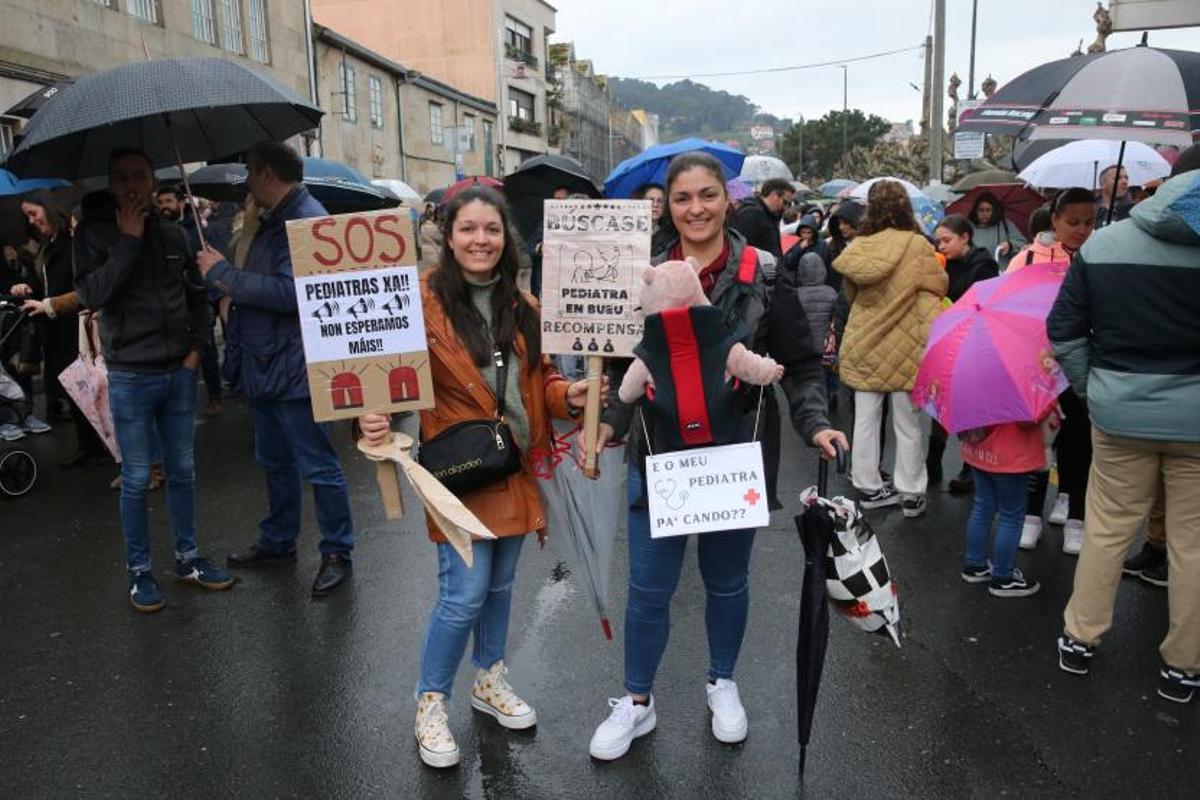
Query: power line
[[834, 63]]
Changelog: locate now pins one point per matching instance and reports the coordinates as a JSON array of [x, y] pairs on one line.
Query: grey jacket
[[1125, 327], [817, 298]]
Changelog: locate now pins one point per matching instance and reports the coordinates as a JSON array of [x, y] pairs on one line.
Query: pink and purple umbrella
[[738, 189], [988, 360]]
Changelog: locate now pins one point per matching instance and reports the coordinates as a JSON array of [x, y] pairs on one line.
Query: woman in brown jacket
[[473, 308], [894, 284]]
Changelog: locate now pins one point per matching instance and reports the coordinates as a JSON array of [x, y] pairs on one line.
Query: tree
[[823, 141], [686, 108]]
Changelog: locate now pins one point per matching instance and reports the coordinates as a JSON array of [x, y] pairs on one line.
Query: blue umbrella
[[12, 185], [831, 188], [650, 166]]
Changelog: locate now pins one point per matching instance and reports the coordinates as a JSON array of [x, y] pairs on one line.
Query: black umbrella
[[435, 196], [816, 528], [1141, 93], [29, 105], [227, 182], [536, 179], [1137, 94], [174, 109]]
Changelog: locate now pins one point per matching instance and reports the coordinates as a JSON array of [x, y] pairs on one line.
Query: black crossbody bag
[[476, 453]]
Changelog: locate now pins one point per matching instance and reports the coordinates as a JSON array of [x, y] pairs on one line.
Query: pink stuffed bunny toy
[[676, 284]]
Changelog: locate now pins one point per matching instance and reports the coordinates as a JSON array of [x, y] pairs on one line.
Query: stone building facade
[[45, 41], [494, 50]]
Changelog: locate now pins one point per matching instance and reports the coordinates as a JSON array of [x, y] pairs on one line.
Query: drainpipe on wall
[[400, 81], [311, 52]]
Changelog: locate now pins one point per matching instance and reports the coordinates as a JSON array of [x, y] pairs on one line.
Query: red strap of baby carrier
[[684, 351], [747, 265]]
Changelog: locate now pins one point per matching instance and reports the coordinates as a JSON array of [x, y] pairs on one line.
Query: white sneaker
[[492, 695], [626, 722], [1058, 514], [729, 723], [1031, 532], [11, 433], [1073, 537], [435, 743]]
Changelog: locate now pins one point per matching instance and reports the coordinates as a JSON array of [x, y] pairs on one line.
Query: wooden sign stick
[[387, 476], [591, 416]]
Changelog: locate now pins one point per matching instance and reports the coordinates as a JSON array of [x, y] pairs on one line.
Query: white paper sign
[[968, 145], [361, 313], [707, 489], [593, 254]]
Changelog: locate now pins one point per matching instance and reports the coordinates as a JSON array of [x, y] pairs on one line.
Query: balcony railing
[[518, 125], [520, 55]]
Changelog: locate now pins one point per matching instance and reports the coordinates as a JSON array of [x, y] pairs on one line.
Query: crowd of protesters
[[843, 297]]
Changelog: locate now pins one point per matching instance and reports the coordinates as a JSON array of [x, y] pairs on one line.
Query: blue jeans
[[997, 492], [290, 445], [654, 567], [470, 600], [154, 417]]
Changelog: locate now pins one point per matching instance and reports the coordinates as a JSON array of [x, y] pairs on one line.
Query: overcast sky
[[642, 38]]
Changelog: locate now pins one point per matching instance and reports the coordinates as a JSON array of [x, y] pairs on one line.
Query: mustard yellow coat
[[894, 284]]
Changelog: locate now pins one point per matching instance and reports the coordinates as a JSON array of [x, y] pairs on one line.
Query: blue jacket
[[1125, 327], [264, 353]]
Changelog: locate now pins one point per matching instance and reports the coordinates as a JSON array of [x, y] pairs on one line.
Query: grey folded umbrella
[[209, 107]]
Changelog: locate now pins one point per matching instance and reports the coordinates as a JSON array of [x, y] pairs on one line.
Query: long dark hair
[[56, 215], [511, 313]]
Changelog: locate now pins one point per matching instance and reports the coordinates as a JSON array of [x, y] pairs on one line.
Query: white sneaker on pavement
[[1073, 537], [1058, 513], [492, 695], [729, 722], [435, 743], [626, 722], [1031, 532]]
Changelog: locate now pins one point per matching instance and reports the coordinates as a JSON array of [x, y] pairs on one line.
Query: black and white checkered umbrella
[[1137, 94], [209, 107]]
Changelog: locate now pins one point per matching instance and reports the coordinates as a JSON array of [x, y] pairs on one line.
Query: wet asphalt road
[[264, 692]]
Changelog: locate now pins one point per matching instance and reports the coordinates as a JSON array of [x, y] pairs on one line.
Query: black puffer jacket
[[151, 298], [975, 265], [755, 222]]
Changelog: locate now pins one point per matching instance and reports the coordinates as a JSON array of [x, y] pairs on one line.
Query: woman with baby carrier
[[768, 321]]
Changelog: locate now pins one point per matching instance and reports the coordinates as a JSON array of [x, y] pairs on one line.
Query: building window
[[349, 99], [231, 26], [204, 24], [256, 19], [520, 105], [375, 96], [6, 139], [143, 9], [437, 134], [469, 132], [518, 35], [105, 3]]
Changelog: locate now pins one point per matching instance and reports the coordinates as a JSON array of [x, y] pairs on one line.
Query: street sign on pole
[[968, 146]]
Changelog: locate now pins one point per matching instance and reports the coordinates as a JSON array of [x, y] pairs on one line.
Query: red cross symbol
[[751, 496]]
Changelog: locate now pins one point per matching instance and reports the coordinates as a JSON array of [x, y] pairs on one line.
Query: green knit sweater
[[514, 408]]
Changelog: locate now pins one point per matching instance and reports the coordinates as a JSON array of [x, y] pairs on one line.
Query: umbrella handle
[[840, 459]]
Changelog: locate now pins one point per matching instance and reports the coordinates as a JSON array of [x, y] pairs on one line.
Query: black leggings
[[1074, 448]]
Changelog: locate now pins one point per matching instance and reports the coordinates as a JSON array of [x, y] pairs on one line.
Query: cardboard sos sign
[[360, 313]]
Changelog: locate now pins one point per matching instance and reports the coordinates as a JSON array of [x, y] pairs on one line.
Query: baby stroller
[[18, 467]]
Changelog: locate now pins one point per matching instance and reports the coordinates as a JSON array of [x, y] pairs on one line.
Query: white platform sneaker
[[493, 696], [435, 743], [729, 722], [626, 722], [1031, 532]]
